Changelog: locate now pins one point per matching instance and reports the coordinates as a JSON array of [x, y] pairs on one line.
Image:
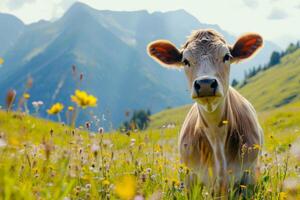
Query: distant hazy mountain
[[109, 48], [10, 30]]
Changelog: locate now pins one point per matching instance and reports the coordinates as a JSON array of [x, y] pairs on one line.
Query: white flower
[[139, 197], [95, 147], [132, 140], [2, 143], [37, 104]]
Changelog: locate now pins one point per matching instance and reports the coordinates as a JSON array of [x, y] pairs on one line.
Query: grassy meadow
[[41, 159], [46, 160]]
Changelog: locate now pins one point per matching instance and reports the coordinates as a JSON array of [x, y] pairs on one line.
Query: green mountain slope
[[277, 86], [268, 90]]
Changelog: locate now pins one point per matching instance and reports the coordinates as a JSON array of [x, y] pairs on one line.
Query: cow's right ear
[[165, 53]]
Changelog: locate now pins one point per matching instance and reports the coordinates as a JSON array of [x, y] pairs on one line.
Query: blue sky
[[276, 20]]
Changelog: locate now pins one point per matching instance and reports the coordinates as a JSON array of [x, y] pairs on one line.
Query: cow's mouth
[[208, 97]]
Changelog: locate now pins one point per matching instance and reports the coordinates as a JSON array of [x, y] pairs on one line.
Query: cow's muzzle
[[205, 87]]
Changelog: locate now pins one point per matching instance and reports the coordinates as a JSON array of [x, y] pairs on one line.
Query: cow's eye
[[227, 58], [186, 62]]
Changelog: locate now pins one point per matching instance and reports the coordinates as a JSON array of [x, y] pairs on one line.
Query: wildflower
[[181, 186], [14, 142], [2, 143], [55, 109], [70, 108], [100, 130], [153, 177], [175, 183], [126, 187], [87, 125], [95, 148], [88, 186], [132, 140], [37, 104], [26, 96], [282, 195], [1, 61], [105, 182], [158, 148], [83, 99], [148, 170], [138, 197], [224, 122], [256, 147], [10, 98]]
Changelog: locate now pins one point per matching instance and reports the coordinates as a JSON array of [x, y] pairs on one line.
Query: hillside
[[109, 48], [273, 88], [277, 86]]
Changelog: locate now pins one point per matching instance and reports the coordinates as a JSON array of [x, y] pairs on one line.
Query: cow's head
[[206, 59]]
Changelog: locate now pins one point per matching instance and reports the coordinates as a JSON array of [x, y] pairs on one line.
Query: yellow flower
[[282, 195], [126, 187], [1, 61], [83, 99], [70, 108], [257, 146], [26, 96], [224, 122], [55, 109], [105, 182], [14, 142]]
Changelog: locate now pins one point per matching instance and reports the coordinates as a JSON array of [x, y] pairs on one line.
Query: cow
[[221, 137]]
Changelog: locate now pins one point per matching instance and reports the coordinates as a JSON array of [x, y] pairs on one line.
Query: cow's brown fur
[[241, 131], [220, 135]]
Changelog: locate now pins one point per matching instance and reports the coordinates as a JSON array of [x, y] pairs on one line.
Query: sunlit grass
[[45, 160]]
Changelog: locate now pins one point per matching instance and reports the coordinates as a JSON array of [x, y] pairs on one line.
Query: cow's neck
[[212, 119], [216, 135]]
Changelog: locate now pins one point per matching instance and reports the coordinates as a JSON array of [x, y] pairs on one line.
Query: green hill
[[277, 86], [268, 90]]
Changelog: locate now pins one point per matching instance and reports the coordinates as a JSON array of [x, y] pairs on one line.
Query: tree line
[[275, 59], [137, 120]]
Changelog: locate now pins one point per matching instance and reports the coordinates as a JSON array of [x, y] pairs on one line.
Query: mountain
[[109, 48], [272, 91], [11, 28]]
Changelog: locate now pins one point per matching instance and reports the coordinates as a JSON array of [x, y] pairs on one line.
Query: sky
[[275, 20]]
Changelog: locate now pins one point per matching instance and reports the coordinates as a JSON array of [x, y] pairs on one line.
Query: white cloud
[[277, 14], [16, 4], [251, 3]]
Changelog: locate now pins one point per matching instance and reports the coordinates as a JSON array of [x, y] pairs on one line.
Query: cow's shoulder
[[244, 129]]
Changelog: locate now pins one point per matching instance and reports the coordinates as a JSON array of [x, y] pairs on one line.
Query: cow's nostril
[[197, 86], [214, 84]]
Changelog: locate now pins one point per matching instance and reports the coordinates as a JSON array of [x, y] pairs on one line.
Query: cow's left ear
[[246, 46]]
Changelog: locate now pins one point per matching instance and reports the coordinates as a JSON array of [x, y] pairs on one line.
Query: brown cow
[[221, 134]]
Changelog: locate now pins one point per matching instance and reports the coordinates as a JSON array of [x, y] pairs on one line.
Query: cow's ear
[[165, 53], [246, 46]]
